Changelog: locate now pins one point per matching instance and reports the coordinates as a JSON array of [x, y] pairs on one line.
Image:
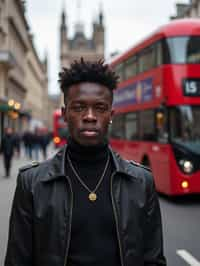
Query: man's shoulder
[[34, 171], [131, 163], [136, 164], [136, 170], [28, 166], [142, 173]]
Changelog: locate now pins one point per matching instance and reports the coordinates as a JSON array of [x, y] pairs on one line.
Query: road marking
[[188, 257]]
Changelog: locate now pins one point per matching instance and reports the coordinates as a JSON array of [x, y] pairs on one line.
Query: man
[[86, 206], [7, 149]]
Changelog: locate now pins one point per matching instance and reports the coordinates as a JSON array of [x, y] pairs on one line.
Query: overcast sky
[[126, 22]]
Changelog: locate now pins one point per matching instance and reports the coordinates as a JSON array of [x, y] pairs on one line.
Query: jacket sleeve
[[153, 236], [19, 248]]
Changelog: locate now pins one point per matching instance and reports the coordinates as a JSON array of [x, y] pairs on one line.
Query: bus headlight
[[187, 166], [56, 140]]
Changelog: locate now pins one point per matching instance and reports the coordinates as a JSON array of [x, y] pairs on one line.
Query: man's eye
[[78, 108], [101, 108]]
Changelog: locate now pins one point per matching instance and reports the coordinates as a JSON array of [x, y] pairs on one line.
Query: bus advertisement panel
[[157, 106]]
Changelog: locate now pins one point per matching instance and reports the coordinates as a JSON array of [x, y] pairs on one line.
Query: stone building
[[23, 77], [80, 46], [190, 10]]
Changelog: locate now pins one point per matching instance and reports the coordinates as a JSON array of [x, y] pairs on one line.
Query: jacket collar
[[57, 165]]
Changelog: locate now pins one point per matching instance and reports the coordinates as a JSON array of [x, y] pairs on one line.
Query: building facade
[[80, 46], [23, 77], [190, 10]]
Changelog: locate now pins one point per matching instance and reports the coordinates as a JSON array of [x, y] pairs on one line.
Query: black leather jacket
[[40, 223]]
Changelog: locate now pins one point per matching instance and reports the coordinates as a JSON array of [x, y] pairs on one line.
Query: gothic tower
[[80, 46], [98, 34], [64, 47]]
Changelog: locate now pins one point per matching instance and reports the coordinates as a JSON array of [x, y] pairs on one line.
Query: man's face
[[88, 111]]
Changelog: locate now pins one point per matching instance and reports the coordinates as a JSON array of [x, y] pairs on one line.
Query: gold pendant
[[92, 196]]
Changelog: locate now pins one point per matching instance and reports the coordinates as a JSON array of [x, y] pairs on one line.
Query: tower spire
[[79, 25], [63, 16], [101, 13]]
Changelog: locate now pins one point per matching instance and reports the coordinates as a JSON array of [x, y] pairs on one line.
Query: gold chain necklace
[[92, 195]]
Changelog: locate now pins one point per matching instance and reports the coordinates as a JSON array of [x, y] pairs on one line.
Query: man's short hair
[[86, 71]]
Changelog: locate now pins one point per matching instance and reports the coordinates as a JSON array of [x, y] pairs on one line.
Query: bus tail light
[[56, 140]]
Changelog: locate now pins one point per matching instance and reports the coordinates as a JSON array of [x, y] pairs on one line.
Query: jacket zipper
[[70, 222], [116, 222]]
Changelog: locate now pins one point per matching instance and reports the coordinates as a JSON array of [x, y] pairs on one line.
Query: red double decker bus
[[157, 104], [60, 130]]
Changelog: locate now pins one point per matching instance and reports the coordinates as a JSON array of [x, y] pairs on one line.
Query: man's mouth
[[89, 132]]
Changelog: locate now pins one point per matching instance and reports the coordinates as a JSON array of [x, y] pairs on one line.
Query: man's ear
[[63, 112], [112, 113]]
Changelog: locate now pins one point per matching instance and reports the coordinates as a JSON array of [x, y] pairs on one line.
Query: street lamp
[[17, 106], [11, 102]]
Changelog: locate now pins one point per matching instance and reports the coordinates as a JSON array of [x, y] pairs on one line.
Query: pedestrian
[[86, 206], [7, 149], [44, 141], [28, 140], [36, 144], [17, 140]]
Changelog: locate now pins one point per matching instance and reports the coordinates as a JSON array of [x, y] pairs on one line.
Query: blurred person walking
[[7, 149], [27, 139], [44, 141], [36, 144], [17, 142]]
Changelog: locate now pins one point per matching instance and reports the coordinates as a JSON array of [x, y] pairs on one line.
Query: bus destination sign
[[191, 87]]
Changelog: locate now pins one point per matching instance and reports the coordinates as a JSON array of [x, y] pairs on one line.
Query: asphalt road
[[181, 222], [181, 227]]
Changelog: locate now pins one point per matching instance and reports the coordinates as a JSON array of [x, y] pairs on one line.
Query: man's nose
[[90, 115]]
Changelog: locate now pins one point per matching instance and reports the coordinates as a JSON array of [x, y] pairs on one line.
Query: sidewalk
[[18, 162], [7, 188]]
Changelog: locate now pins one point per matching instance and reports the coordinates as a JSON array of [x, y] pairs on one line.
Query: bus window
[[185, 126], [147, 125], [119, 69], [131, 126], [161, 125], [147, 59], [118, 127], [130, 67], [159, 55], [182, 50]]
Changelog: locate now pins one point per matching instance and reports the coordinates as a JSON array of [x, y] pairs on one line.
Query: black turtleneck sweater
[[93, 235]]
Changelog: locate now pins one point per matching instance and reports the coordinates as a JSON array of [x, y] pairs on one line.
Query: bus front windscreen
[[185, 127], [63, 132], [182, 50]]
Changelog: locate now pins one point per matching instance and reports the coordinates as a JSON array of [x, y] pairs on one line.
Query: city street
[[7, 187], [181, 230], [180, 221]]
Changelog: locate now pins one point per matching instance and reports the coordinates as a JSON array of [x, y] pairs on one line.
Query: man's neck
[[87, 153]]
